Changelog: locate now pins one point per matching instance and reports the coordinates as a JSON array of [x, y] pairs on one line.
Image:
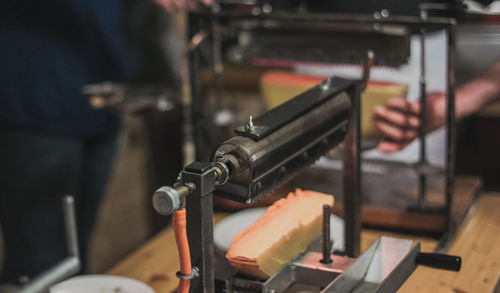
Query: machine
[[263, 37], [271, 149], [266, 152]]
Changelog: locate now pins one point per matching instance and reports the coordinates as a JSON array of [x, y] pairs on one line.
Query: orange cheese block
[[284, 230]]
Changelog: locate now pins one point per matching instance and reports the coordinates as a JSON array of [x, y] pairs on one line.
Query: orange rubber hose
[[183, 248]]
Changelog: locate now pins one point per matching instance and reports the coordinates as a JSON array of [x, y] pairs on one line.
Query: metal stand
[[449, 188], [70, 265], [352, 177], [450, 127], [422, 179], [199, 207]]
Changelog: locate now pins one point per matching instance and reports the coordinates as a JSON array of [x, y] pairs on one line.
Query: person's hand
[[181, 5], [399, 120]]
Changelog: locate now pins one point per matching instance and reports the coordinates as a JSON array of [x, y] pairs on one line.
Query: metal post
[[352, 178], [422, 179], [188, 144], [218, 65], [325, 241], [199, 209], [450, 126]]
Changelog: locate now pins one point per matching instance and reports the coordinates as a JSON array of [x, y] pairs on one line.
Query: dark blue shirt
[[48, 51]]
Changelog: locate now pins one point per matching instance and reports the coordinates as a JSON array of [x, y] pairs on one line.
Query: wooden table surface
[[478, 243]]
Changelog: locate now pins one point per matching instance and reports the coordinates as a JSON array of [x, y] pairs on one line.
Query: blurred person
[[52, 143], [399, 119]]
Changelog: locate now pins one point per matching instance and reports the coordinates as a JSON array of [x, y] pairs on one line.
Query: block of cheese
[[277, 87], [279, 235]]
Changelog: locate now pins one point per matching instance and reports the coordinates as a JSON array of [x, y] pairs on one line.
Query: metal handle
[[439, 261]]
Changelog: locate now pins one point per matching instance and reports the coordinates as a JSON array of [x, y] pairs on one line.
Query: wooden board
[[478, 243]]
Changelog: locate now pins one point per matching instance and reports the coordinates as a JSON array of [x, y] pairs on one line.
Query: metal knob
[[166, 200]]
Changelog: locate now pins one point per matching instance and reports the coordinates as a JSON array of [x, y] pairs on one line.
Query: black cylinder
[[326, 245]]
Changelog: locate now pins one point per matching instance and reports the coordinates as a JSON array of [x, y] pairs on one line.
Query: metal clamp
[[194, 274]]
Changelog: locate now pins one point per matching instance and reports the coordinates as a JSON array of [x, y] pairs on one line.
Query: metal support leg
[[352, 177], [450, 128], [199, 208]]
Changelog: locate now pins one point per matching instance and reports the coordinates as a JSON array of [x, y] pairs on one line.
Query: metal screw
[[191, 186], [250, 126], [384, 13], [423, 14]]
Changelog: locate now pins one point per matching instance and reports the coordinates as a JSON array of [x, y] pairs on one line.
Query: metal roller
[[272, 148]]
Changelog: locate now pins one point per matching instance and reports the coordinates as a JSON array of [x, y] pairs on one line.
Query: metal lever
[[439, 261], [326, 235]]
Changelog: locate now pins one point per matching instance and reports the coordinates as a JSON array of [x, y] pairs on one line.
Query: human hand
[[399, 120], [181, 5]]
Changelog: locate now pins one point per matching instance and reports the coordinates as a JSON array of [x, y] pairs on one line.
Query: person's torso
[[48, 51]]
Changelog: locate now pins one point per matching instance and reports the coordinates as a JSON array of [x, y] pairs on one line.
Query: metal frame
[[415, 24], [199, 203]]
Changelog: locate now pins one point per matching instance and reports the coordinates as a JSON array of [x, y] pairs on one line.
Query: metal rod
[[70, 265], [410, 21], [218, 64], [352, 177], [422, 179], [451, 127], [188, 144], [326, 245], [70, 226], [370, 56]]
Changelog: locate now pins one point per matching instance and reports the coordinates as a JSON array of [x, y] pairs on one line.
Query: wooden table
[[478, 242]]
